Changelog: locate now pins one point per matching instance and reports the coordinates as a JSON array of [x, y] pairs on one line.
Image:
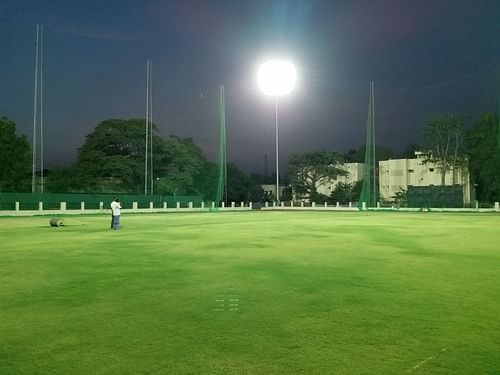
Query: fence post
[[151, 206], [82, 207], [101, 206], [202, 205], [242, 205], [213, 205], [363, 205], [250, 205], [233, 204], [178, 206], [40, 206], [497, 206], [17, 206], [313, 204], [274, 204], [190, 205], [326, 205], [134, 206], [350, 204], [267, 205], [282, 204], [165, 206]]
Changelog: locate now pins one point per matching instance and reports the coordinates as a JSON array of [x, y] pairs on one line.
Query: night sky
[[425, 56]]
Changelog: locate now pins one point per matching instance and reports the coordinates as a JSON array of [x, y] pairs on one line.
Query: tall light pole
[[276, 78]]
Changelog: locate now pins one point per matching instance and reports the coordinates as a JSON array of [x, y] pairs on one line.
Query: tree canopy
[[15, 158], [313, 168], [445, 134], [484, 157]]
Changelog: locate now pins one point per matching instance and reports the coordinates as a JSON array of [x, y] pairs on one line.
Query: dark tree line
[[111, 159]]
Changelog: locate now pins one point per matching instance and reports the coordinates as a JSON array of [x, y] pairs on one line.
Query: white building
[[397, 174], [354, 174]]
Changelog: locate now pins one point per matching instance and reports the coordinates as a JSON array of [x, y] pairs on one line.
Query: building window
[[410, 171], [431, 169]]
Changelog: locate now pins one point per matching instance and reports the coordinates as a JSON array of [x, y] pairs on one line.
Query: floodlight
[[276, 77]]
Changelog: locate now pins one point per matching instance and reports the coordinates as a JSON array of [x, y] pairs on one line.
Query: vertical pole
[[147, 128], [374, 145], [41, 110], [35, 101], [277, 154], [498, 135], [151, 120]]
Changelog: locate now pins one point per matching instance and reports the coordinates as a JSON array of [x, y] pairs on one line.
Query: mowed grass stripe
[[317, 292]]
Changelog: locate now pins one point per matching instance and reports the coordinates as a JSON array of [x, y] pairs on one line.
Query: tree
[[15, 157], [64, 179], [313, 168], [180, 162], [112, 157], [484, 157], [446, 136], [358, 156], [342, 193], [241, 188], [345, 192], [409, 152]]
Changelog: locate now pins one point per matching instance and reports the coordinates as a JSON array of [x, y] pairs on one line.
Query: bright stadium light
[[277, 78]]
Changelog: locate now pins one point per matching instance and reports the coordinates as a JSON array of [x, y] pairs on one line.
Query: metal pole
[[41, 110], [35, 101], [147, 128], [151, 121], [277, 155]]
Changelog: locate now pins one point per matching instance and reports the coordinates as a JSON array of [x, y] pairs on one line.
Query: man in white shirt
[[115, 214]]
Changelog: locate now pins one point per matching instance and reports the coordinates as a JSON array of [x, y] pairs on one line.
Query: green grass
[[317, 293]]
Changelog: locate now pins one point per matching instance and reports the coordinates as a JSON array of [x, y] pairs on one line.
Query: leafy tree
[[446, 137], [346, 192], [313, 168], [381, 153], [342, 193], [15, 157], [484, 157], [409, 152], [64, 179], [241, 188], [112, 157], [180, 162], [401, 197]]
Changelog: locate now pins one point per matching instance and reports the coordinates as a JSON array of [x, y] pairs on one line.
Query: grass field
[[251, 293]]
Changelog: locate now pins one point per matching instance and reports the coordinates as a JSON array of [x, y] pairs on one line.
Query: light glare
[[276, 77]]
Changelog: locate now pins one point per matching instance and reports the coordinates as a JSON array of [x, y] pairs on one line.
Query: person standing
[[115, 214]]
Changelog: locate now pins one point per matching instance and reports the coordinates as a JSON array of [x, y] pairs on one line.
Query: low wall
[[232, 207]]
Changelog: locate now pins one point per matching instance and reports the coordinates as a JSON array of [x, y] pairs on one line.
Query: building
[[354, 174], [397, 174]]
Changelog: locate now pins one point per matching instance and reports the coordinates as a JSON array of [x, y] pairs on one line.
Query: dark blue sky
[[426, 57]]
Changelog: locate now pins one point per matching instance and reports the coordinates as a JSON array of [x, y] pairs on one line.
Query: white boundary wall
[[232, 207]]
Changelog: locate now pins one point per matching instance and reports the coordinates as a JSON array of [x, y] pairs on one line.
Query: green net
[[221, 192], [498, 131], [369, 191]]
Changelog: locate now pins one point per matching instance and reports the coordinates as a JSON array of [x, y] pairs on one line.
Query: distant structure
[[396, 175], [355, 173]]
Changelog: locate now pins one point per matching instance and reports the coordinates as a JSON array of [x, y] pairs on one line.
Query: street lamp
[[276, 78]]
